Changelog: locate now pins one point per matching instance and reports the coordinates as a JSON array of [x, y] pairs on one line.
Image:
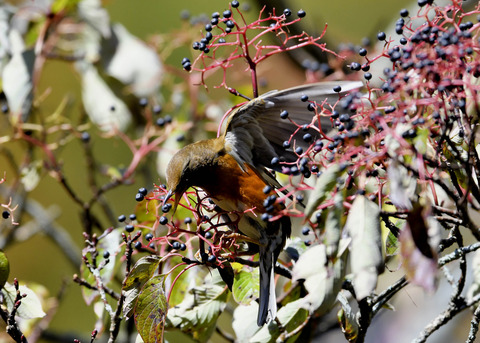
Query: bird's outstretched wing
[[255, 131]]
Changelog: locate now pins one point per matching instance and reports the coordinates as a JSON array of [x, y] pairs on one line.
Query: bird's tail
[[268, 301]]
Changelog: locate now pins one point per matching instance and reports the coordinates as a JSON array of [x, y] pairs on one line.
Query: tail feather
[[268, 300]]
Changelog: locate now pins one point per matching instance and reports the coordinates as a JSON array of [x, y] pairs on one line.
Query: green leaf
[[363, 226], [245, 286], [31, 306], [141, 272], [151, 310], [290, 316], [333, 225], [347, 319], [198, 313], [4, 268], [325, 184]]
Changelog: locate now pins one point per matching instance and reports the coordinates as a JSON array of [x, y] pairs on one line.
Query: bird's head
[[178, 182], [189, 166]]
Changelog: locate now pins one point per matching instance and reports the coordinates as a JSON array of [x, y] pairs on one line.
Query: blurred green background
[[38, 259]]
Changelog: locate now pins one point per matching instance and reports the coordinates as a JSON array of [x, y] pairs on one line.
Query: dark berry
[[304, 98], [4, 108], [267, 189], [139, 197], [381, 36], [301, 13], [176, 245], [5, 214], [160, 122], [85, 137], [404, 12], [355, 66], [208, 235], [367, 76], [211, 259], [187, 220], [121, 218], [299, 150], [235, 4], [132, 217], [230, 24], [215, 15], [148, 237], [311, 107], [183, 247], [129, 228], [143, 191], [337, 89], [305, 230], [307, 137], [275, 160], [106, 254], [286, 144], [362, 52], [138, 245], [284, 114], [166, 208], [208, 28], [227, 14], [287, 12], [163, 220], [157, 109]]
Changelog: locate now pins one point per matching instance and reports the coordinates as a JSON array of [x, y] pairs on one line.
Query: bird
[[236, 170]]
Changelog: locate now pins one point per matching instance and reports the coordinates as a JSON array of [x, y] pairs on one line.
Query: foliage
[[392, 181]]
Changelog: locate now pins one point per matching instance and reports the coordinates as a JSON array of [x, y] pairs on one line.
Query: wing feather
[[255, 132]]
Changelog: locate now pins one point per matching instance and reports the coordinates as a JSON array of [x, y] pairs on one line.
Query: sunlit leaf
[[146, 210], [110, 243], [245, 286], [17, 78], [290, 316], [92, 12], [30, 175], [347, 319], [4, 269], [198, 313], [141, 272], [474, 288], [245, 321], [325, 184], [333, 225], [103, 107], [31, 306], [402, 185], [322, 279], [151, 309], [363, 226], [132, 62]]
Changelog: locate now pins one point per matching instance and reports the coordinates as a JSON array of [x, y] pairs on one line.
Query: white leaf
[[133, 63], [245, 322], [101, 104], [94, 14], [31, 306], [363, 226], [17, 78]]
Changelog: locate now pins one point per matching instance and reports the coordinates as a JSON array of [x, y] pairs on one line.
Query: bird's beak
[[177, 199], [167, 196]]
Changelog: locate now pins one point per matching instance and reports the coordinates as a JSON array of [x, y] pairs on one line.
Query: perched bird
[[233, 169]]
